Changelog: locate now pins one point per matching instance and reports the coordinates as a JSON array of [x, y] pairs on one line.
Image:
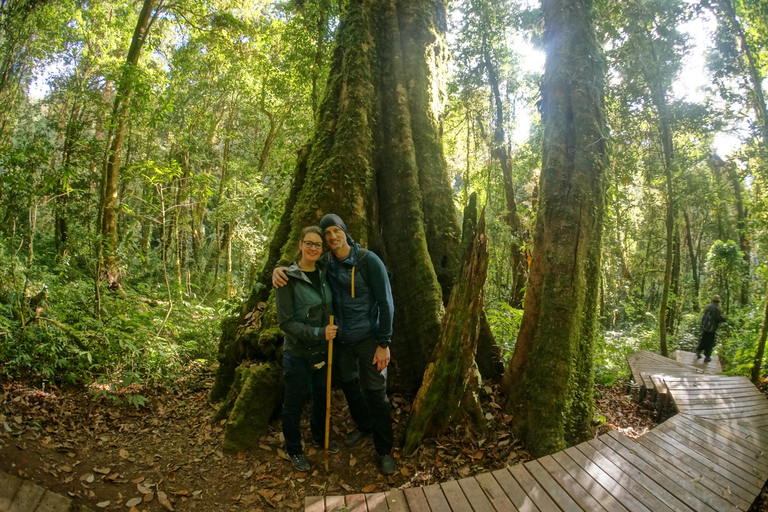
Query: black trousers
[[365, 389], [706, 344], [300, 380]]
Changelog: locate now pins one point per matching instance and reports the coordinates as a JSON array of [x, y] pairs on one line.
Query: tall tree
[[550, 378], [376, 160], [119, 118]]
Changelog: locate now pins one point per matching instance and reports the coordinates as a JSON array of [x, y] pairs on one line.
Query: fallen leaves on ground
[[167, 455]]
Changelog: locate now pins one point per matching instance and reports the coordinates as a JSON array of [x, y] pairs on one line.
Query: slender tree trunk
[[675, 286], [759, 353], [758, 98], [499, 150], [550, 378], [665, 131], [694, 260], [112, 163]]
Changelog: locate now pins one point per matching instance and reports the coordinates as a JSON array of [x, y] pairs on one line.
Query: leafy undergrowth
[[167, 455]]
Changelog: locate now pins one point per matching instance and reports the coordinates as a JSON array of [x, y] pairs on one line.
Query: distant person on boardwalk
[[363, 309], [711, 318], [303, 309]]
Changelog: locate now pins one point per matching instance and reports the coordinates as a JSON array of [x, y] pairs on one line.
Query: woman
[[303, 311]]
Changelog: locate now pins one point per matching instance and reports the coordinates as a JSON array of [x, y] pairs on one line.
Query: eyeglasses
[[309, 245]]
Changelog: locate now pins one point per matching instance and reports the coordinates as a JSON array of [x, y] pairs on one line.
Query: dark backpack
[[708, 322]]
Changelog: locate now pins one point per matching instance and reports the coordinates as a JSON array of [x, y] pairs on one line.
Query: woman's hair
[[308, 229]]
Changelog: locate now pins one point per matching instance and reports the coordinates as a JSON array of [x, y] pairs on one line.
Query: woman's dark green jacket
[[303, 310]]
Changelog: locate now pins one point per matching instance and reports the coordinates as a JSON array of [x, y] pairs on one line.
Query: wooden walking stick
[[328, 396]]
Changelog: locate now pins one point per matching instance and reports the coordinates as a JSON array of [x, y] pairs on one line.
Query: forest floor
[[167, 455]]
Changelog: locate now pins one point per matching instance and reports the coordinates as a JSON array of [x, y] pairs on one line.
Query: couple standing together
[[350, 283]]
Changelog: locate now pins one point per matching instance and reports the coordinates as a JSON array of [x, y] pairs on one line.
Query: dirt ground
[[167, 455]]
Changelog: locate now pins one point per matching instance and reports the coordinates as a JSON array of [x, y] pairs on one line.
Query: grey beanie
[[331, 219]]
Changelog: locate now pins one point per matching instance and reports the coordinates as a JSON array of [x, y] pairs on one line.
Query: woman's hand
[[330, 331]]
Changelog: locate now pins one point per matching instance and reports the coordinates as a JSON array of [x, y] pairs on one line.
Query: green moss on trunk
[[549, 380], [256, 395], [452, 379]]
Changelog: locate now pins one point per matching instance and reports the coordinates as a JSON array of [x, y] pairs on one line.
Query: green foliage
[[505, 323]]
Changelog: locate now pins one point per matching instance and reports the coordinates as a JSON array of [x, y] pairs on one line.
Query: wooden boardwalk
[[711, 456]]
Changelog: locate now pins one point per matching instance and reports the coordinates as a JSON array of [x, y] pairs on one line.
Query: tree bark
[[758, 362], [694, 260], [450, 381], [550, 378], [499, 150], [119, 119], [376, 160]]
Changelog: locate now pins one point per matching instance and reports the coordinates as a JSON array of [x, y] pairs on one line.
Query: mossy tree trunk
[[376, 160], [119, 118], [549, 381], [760, 351], [451, 379]]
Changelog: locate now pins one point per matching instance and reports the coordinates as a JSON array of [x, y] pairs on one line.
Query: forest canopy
[[149, 152]]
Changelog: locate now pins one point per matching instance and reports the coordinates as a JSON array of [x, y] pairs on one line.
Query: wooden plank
[[9, 485], [663, 447], [417, 502], [475, 495], [455, 496], [611, 486], [672, 481], [659, 465], [742, 444], [27, 497], [495, 493], [708, 441], [436, 498], [311, 504], [334, 503], [733, 461], [590, 484], [557, 493], [355, 503], [760, 436], [574, 488], [396, 501], [515, 493], [637, 483], [532, 488], [376, 502], [752, 462]]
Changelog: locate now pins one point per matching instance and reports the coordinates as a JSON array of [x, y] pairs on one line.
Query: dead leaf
[[124, 453], [696, 480], [102, 471], [138, 480], [103, 504], [162, 498], [405, 471], [370, 488], [478, 455], [282, 454], [149, 497], [143, 489], [65, 469], [132, 502], [248, 474]]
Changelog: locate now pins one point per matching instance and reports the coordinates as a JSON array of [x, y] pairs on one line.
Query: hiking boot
[[299, 462], [707, 359], [387, 465], [333, 446], [698, 355], [355, 438]]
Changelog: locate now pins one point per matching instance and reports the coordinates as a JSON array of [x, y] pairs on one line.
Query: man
[[711, 318], [363, 309]]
